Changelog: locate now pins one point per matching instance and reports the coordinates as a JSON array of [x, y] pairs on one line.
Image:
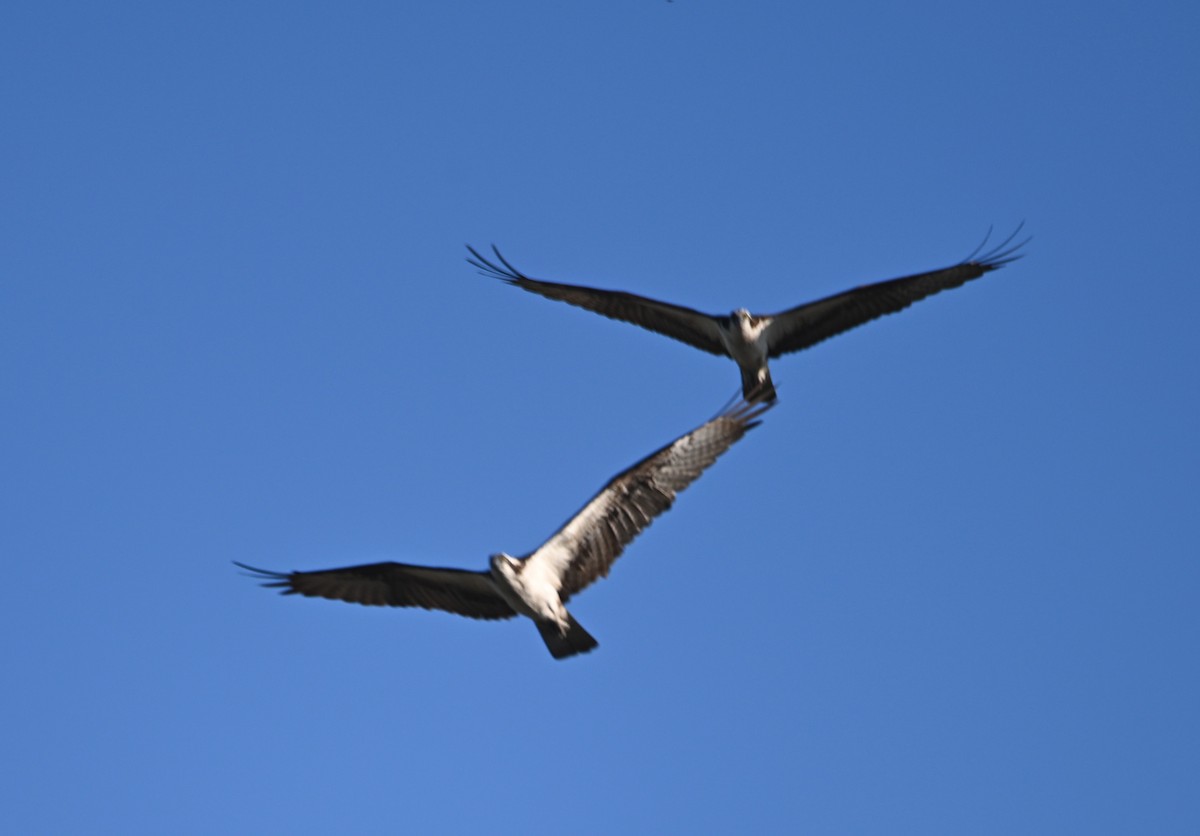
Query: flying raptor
[[539, 584], [752, 339]]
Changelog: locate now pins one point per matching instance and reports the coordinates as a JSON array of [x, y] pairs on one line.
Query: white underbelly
[[748, 353], [538, 600]]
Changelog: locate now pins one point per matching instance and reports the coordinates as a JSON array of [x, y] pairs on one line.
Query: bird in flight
[[539, 584], [752, 339]]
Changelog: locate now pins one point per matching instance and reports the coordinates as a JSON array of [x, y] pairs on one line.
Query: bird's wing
[[809, 324], [396, 585], [684, 324], [585, 548]]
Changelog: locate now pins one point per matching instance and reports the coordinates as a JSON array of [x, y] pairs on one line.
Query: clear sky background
[[949, 586]]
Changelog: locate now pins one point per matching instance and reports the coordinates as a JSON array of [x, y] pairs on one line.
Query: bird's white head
[[505, 565]]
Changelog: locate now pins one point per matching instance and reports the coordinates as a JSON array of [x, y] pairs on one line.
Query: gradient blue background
[[949, 586]]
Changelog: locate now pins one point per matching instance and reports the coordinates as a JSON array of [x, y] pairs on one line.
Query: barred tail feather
[[565, 643], [755, 390]]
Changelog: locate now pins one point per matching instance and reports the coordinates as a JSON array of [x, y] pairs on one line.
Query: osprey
[[539, 584], [752, 339]]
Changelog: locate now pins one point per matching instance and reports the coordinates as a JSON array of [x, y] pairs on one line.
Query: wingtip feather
[[1003, 253]]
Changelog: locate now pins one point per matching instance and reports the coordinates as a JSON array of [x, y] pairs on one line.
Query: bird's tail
[[757, 386], [563, 643]]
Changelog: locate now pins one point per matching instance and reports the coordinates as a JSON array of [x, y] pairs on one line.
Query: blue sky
[[947, 586]]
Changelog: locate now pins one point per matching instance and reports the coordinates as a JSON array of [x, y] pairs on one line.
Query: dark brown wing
[[679, 323], [585, 548], [809, 324], [396, 585]]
